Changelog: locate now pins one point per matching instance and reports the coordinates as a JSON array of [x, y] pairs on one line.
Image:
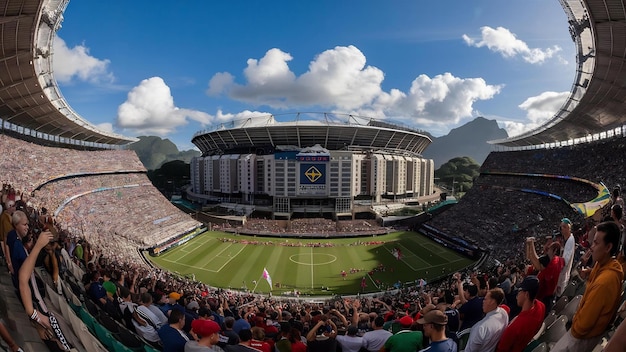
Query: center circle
[[312, 258]]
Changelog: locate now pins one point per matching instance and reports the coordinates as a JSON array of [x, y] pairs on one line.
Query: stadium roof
[[29, 95], [355, 133], [597, 100]]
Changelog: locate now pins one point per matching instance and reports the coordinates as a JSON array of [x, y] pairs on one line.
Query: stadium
[[316, 166], [57, 165]]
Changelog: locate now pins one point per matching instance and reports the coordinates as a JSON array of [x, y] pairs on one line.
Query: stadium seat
[[130, 340], [117, 346], [104, 335], [541, 330], [149, 348], [554, 332], [571, 307], [88, 319], [109, 323], [559, 305], [550, 318], [92, 308], [570, 290], [543, 347]]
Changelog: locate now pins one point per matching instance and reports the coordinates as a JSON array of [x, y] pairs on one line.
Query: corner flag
[[266, 276]]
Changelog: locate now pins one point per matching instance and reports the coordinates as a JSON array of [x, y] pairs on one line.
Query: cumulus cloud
[[105, 126], [539, 109], [149, 108], [77, 63], [501, 40], [339, 79]]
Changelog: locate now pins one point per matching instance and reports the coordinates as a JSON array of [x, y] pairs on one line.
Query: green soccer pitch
[[222, 260]]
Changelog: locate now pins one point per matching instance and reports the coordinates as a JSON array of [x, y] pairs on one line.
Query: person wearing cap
[[434, 323], [485, 334], [350, 342], [602, 294], [528, 322], [208, 332], [568, 254], [375, 339], [168, 304], [406, 339]]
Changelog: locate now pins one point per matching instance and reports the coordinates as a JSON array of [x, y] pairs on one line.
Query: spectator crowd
[[541, 252]]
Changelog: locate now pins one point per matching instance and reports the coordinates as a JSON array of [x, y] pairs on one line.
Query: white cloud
[[539, 109], [150, 109], [76, 63], [105, 126], [339, 79], [501, 40]]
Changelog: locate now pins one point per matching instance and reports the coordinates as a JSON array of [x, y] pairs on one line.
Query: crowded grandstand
[[545, 215]]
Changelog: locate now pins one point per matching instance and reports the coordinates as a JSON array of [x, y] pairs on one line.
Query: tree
[[458, 173]]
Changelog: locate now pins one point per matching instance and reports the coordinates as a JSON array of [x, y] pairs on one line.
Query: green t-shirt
[[404, 341]]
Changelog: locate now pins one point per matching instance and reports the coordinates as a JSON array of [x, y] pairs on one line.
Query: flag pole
[[257, 284]]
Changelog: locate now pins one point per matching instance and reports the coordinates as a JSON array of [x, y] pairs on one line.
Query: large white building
[[310, 166]]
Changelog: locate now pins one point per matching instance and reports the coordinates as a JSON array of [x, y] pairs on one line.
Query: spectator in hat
[[434, 324], [350, 342], [485, 334], [406, 339], [602, 294], [209, 333], [528, 322], [375, 339]]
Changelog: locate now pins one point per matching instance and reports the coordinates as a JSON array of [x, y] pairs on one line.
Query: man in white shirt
[[485, 334], [568, 255]]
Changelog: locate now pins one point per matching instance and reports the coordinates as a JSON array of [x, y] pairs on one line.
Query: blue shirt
[[446, 345], [172, 339], [18, 257]]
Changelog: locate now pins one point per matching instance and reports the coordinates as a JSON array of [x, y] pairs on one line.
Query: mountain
[[154, 152], [467, 140]]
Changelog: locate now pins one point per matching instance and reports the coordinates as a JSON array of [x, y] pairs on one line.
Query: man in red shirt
[[522, 329], [549, 266]]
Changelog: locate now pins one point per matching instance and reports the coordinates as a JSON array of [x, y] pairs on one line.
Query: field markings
[[311, 268], [402, 256], [229, 259]]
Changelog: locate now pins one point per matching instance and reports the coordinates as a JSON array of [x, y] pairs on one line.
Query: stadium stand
[[105, 210]]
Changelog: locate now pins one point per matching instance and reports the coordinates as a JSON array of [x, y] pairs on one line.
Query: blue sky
[[174, 68]]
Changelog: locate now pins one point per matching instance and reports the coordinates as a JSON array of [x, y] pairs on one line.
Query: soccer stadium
[[317, 166], [101, 261]]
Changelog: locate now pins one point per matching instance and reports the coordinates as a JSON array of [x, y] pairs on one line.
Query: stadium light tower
[[453, 182]]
